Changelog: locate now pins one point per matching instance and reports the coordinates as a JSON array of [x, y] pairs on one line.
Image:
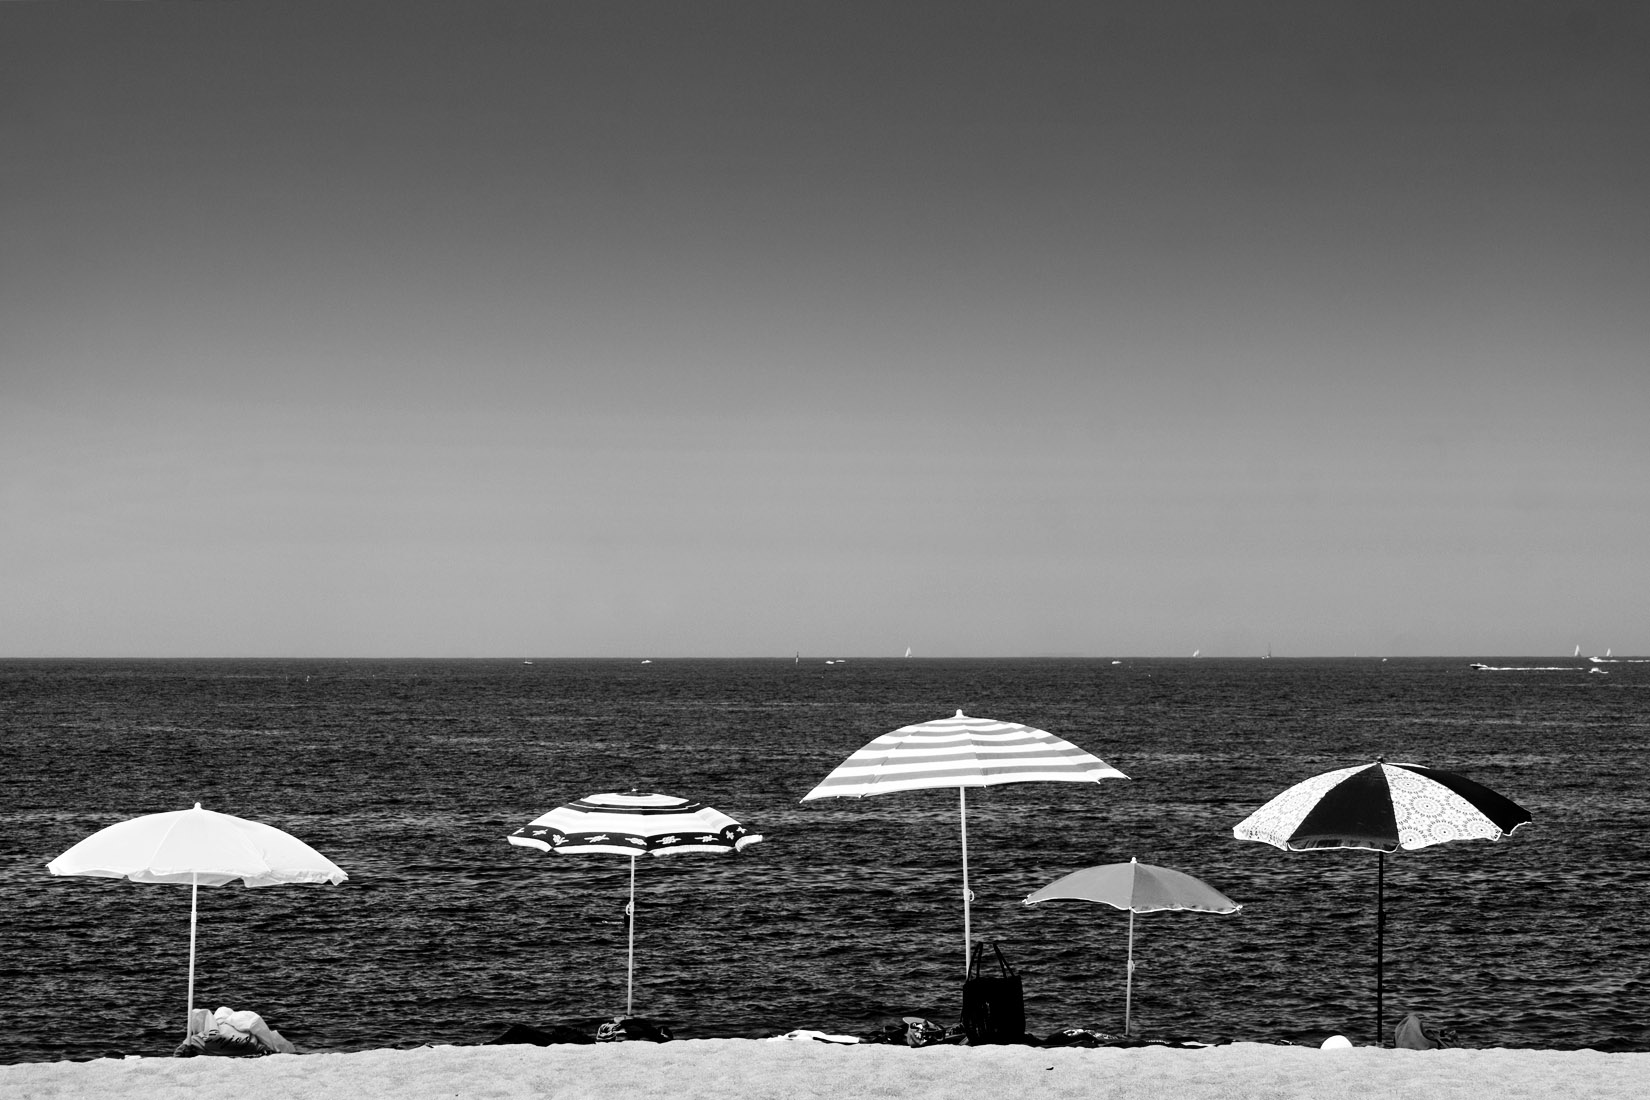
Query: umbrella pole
[[1128, 985], [1380, 932], [194, 892], [630, 962], [968, 934]]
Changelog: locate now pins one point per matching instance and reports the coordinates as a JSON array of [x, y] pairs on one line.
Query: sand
[[736, 1069]]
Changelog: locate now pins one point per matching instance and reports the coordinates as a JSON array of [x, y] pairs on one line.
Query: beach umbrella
[[1139, 888], [634, 825], [1381, 807], [196, 848], [961, 752]]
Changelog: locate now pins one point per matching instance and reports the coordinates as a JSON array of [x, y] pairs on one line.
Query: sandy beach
[[747, 1069]]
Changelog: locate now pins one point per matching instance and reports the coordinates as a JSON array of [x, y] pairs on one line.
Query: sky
[[482, 329]]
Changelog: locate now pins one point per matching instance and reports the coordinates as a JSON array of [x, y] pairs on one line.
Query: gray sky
[[540, 329]]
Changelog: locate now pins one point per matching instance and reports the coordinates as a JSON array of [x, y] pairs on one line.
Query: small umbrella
[[961, 752], [199, 848], [634, 824], [1381, 807], [1139, 888]]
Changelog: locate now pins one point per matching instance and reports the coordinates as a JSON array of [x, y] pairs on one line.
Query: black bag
[[994, 1007]]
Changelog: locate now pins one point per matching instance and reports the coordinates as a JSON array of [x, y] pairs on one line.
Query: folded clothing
[[231, 1033]]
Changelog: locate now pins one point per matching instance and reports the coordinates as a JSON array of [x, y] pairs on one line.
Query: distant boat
[[908, 651], [1195, 652], [1482, 667], [1577, 653], [647, 660]]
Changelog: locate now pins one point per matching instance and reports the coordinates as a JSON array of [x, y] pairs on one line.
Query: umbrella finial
[[959, 714]]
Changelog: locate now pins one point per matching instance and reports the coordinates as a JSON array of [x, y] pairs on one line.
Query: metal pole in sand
[[194, 892], [630, 962], [968, 933], [1128, 987], [1380, 934]]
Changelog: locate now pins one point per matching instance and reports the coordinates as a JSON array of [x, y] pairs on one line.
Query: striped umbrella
[[634, 825], [1381, 807], [961, 752]]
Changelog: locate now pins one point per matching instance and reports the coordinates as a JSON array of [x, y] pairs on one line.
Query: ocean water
[[409, 774]]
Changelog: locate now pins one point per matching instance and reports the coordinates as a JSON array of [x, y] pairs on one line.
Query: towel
[[1414, 1033]]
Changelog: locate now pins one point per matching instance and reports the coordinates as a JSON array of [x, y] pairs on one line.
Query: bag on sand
[[994, 1006]]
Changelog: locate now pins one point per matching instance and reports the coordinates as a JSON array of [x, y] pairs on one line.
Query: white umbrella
[[1139, 888], [634, 825], [199, 848], [961, 752]]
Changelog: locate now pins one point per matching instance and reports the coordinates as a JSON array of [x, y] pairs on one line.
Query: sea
[[847, 917]]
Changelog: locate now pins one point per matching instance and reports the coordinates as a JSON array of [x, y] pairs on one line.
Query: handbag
[[994, 1005]]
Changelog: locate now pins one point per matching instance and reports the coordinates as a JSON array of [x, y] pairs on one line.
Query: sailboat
[[908, 651]]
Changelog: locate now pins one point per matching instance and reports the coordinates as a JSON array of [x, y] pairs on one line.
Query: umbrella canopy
[[634, 824], [961, 752], [1381, 807], [1139, 888], [197, 848]]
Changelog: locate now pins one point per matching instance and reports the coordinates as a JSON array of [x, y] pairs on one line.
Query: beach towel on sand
[[540, 1037], [1414, 1033]]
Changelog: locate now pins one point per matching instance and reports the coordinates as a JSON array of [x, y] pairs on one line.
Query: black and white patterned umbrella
[[1383, 808], [634, 824]]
